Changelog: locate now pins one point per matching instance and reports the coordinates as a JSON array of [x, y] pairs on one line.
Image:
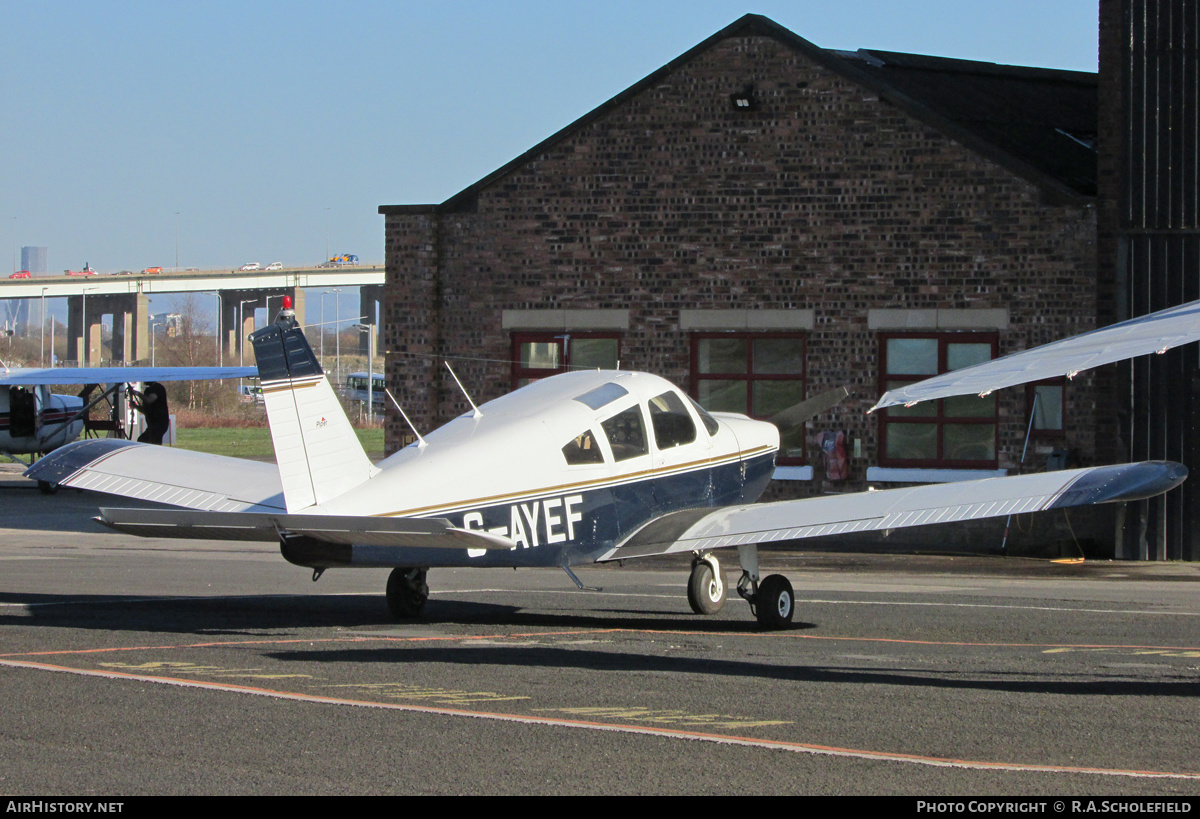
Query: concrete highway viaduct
[[126, 298]]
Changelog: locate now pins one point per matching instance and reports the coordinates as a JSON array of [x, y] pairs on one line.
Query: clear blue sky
[[265, 131]]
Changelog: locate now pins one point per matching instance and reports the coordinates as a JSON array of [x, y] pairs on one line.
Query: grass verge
[[255, 442]]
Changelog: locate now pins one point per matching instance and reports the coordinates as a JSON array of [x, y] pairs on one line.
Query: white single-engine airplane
[[584, 467], [34, 420]]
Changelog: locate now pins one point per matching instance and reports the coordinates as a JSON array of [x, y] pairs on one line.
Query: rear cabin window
[[602, 395], [626, 435], [672, 424], [583, 450]]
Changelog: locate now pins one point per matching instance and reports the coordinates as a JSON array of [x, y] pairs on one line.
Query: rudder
[[319, 456]]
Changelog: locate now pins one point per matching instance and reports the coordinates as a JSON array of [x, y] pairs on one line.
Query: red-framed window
[[756, 374], [540, 354], [1049, 409], [958, 432]]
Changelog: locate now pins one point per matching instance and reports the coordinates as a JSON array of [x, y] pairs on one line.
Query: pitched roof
[[1043, 117], [1039, 123]]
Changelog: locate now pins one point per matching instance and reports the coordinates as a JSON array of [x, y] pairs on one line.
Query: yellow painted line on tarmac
[[613, 727]]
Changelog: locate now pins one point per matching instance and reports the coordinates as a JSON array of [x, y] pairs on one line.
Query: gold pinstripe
[[581, 485]]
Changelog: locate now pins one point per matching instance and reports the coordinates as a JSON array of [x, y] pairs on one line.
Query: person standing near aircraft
[[152, 403]]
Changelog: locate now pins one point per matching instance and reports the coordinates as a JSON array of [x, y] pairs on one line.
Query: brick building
[[761, 220]]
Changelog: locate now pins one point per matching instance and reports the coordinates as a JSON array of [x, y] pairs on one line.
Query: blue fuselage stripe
[[576, 527]]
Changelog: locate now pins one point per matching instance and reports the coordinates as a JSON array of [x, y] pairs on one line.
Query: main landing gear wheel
[[774, 603], [406, 592], [706, 588]]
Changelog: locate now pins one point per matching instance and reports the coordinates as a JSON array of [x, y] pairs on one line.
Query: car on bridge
[[251, 266], [152, 270], [21, 274], [275, 266]]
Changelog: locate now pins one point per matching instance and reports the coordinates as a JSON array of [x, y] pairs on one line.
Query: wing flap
[[195, 480], [899, 508], [436, 533]]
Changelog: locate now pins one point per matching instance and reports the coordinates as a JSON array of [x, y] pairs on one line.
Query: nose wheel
[[775, 603]]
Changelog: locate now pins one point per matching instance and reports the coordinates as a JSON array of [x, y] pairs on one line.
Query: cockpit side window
[[710, 423], [626, 434], [671, 422], [583, 449]]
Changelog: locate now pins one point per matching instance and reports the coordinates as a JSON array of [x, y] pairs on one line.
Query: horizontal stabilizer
[[179, 477], [436, 533], [695, 529]]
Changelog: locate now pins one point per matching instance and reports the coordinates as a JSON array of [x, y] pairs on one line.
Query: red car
[[21, 274]]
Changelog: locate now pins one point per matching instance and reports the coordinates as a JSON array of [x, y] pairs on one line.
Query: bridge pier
[[130, 341]]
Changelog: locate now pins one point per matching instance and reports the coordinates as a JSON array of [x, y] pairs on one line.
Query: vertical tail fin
[[319, 455]]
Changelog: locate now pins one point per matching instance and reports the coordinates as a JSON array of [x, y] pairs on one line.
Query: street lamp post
[[337, 335], [242, 341], [153, 324], [369, 329], [42, 332], [220, 349]]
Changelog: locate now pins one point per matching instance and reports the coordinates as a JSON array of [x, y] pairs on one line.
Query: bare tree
[[192, 345]]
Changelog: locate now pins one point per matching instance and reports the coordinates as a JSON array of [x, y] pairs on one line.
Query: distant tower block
[[33, 259]]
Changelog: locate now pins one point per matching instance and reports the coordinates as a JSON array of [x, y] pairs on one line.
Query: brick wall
[[824, 197]]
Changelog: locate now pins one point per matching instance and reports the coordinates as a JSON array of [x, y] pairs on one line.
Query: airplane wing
[[701, 529], [436, 533], [1152, 333], [119, 375], [196, 480]]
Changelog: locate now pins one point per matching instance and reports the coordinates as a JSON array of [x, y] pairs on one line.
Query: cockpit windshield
[[710, 423]]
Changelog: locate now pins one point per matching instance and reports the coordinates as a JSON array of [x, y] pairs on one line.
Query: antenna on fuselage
[[421, 444], [476, 413]]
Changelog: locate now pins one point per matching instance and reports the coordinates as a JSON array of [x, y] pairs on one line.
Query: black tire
[[775, 604], [705, 594], [406, 592], [47, 488]]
